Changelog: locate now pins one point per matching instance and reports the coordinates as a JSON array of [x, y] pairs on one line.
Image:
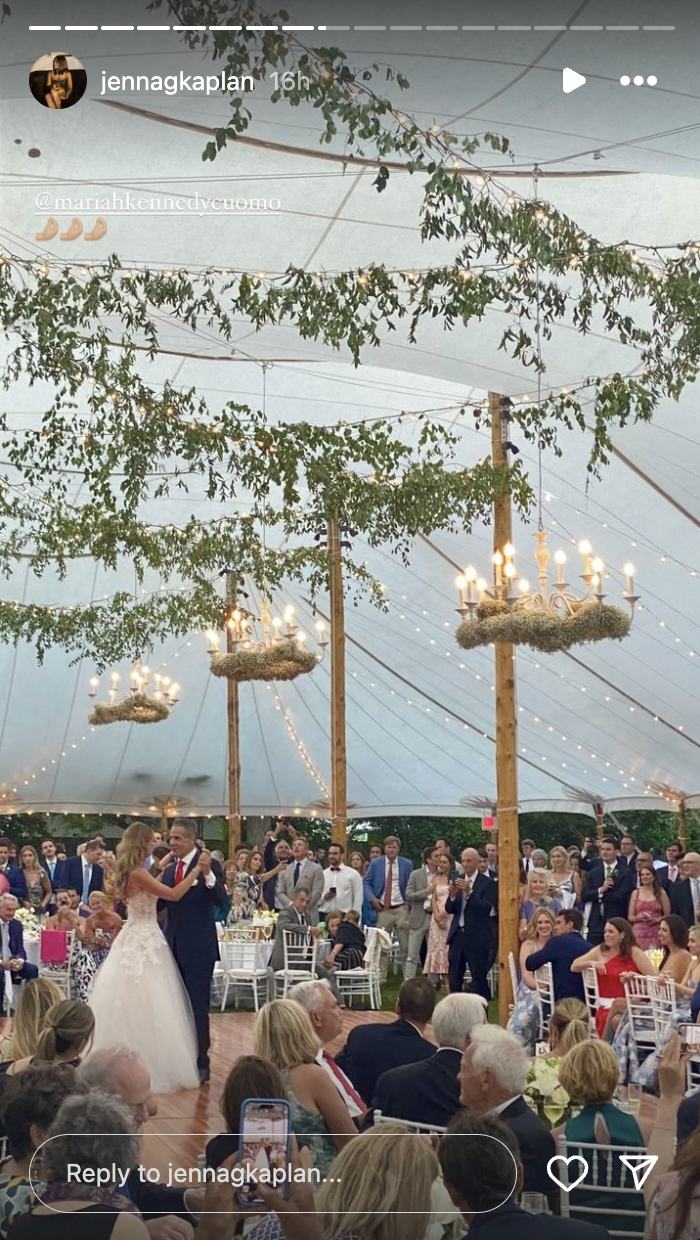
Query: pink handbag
[[54, 947]]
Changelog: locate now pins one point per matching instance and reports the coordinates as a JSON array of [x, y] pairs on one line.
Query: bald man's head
[[470, 861], [690, 865]]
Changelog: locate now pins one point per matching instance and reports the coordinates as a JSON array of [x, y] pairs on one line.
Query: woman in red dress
[[616, 957]]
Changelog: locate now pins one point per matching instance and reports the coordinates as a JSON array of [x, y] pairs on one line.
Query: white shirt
[[503, 1106], [340, 1081], [348, 887], [396, 897], [428, 902], [209, 879]]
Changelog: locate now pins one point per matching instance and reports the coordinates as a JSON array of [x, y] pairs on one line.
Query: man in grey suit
[[419, 897], [296, 917], [300, 870]]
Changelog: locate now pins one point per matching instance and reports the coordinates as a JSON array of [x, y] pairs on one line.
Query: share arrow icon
[[641, 1166]]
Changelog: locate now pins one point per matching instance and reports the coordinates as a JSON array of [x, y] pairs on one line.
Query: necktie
[[297, 868], [347, 1085], [179, 872], [389, 885], [87, 874], [462, 911], [52, 868], [608, 871], [672, 873]]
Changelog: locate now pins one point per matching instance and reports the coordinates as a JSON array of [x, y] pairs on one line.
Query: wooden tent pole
[[339, 791], [682, 825], [233, 734], [600, 820], [506, 752], [164, 823]]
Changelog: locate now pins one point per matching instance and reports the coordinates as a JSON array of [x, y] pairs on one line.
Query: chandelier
[[268, 648], [141, 703], [550, 618]]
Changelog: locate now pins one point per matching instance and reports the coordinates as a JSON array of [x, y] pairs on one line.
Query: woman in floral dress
[[525, 1017], [247, 898], [436, 961]]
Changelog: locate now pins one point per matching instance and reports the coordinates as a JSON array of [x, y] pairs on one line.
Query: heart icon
[[575, 1158]]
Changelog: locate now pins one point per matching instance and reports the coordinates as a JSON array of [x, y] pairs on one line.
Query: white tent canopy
[[598, 724]]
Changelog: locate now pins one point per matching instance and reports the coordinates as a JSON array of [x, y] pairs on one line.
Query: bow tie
[[335, 869]]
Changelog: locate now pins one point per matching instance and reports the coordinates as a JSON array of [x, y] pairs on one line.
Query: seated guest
[[672, 1191], [428, 1092], [485, 1177], [616, 956], [250, 1077], [381, 1190], [673, 938], [68, 919], [12, 954], [101, 927], [569, 1025], [34, 1002], [372, 1049], [323, 1010], [536, 897], [492, 1081], [283, 1035], [347, 941], [67, 1034], [590, 1074], [524, 1020], [29, 1108], [295, 920], [566, 944]]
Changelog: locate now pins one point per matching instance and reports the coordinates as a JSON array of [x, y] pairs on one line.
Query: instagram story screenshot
[[349, 619]]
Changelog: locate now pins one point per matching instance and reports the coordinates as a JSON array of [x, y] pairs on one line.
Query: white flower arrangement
[[550, 1099], [29, 922]]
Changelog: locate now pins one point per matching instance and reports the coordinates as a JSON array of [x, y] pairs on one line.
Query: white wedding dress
[[140, 1002]]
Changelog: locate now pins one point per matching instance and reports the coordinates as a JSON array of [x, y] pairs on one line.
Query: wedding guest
[[85, 872], [566, 945], [230, 870], [685, 892], [250, 1077], [300, 870], [537, 896], [247, 898], [323, 1010], [101, 927], [373, 1048], [526, 848], [569, 1026], [36, 881], [343, 890], [13, 957], [437, 965], [28, 1023], [685, 989], [11, 877], [276, 852], [82, 961], [616, 956], [672, 1191], [607, 889], [673, 939], [50, 862], [282, 1034], [108, 863], [648, 904], [347, 942], [357, 862], [66, 1036], [29, 1108], [670, 872], [471, 898], [385, 886], [565, 883], [524, 1020]]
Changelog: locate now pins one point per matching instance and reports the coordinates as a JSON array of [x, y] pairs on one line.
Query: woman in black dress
[[347, 941]]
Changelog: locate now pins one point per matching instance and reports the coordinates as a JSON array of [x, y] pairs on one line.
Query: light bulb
[[597, 565], [510, 570], [470, 573], [461, 582], [482, 584], [523, 585], [509, 550], [585, 547], [320, 626], [94, 681], [560, 557], [628, 570], [497, 558]]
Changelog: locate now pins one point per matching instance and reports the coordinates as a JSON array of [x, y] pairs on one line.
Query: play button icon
[[571, 80]]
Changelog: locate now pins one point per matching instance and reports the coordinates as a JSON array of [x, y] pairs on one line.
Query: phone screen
[[690, 1037], [263, 1143], [454, 876]]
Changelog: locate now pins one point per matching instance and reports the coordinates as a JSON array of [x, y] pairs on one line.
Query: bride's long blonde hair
[[132, 850]]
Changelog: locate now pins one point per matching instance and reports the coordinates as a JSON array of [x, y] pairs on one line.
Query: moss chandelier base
[[136, 706], [278, 656]]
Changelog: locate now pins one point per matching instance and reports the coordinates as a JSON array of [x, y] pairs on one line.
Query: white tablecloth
[[231, 953], [32, 948]]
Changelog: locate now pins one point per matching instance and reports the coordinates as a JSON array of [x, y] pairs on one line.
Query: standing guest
[[524, 1020], [372, 1049], [348, 945], [230, 870], [85, 872], [11, 877], [685, 892], [419, 896], [357, 862], [65, 1038], [492, 854], [492, 1082], [648, 904], [526, 848], [13, 957], [385, 886], [642, 860], [247, 899], [590, 852], [101, 927], [537, 896], [607, 890], [275, 852], [283, 1035], [28, 1023], [320, 856], [321, 1007], [470, 901], [565, 883], [36, 881], [29, 1108], [615, 957], [428, 1092], [671, 871], [343, 891], [628, 850], [368, 915], [50, 863], [539, 859], [250, 1077], [375, 852], [673, 939], [300, 870], [565, 946], [443, 845], [437, 965]]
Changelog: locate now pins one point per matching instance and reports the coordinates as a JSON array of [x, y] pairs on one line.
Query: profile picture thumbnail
[[57, 81]]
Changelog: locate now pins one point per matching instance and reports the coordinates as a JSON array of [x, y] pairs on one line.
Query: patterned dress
[[16, 1196], [436, 960]]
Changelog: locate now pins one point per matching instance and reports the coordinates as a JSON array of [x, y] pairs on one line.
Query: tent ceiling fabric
[[607, 718]]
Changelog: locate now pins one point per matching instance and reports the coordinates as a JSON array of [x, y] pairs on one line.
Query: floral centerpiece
[[544, 1093], [265, 921], [29, 922]]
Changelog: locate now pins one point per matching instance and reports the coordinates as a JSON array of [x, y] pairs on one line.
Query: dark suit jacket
[[559, 951], [483, 898], [57, 880], [426, 1092], [536, 1146], [372, 1049], [18, 885], [509, 1222], [615, 902], [666, 882], [72, 876], [288, 919], [681, 897], [191, 928], [16, 941]]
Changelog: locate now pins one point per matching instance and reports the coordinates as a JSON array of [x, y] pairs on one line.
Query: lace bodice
[[141, 907]]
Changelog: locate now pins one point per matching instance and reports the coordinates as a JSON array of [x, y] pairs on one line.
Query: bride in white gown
[[139, 1000]]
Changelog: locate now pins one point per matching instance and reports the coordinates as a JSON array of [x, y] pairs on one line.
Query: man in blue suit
[[13, 873], [85, 872], [191, 929], [566, 944], [470, 900], [385, 887], [13, 957]]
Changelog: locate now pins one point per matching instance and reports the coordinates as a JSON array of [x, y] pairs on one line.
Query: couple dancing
[[152, 993]]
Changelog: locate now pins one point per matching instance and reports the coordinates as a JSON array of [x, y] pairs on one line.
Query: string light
[[301, 747]]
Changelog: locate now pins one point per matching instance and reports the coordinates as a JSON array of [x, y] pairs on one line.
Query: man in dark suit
[[566, 944], [428, 1092], [85, 872], [13, 873], [470, 900], [492, 1079], [52, 867], [629, 851], [484, 1183], [607, 889], [671, 872], [190, 927], [372, 1049], [13, 957], [297, 918], [685, 894]]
